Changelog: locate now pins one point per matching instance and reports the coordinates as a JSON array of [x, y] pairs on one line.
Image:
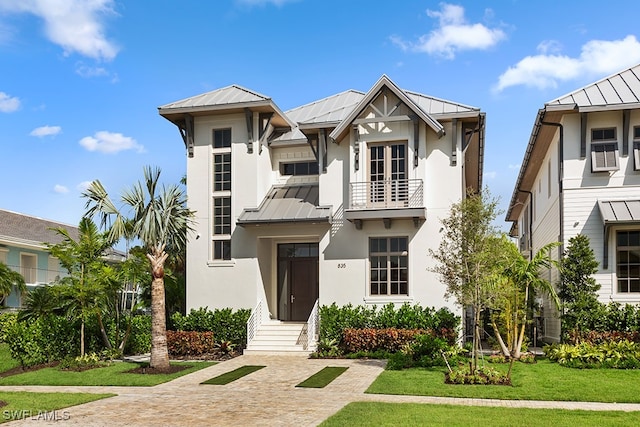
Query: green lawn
[[540, 381], [414, 414], [323, 377], [230, 376], [41, 406], [6, 362], [114, 375]]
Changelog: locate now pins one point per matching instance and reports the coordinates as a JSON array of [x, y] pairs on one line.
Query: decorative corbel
[[454, 142], [187, 136], [416, 140]]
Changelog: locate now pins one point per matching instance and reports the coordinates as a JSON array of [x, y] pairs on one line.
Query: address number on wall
[[342, 265]]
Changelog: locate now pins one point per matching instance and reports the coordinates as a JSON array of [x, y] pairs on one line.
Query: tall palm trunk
[[159, 352]]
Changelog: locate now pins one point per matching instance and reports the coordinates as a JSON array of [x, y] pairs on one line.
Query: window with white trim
[[628, 260], [388, 266], [299, 168], [636, 148], [221, 194], [604, 150]]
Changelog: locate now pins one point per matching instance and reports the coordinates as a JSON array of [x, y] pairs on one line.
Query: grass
[[227, 377], [6, 362], [323, 378], [414, 414], [41, 406], [540, 381], [113, 375]]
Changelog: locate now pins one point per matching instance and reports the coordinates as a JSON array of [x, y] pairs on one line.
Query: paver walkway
[[267, 397]]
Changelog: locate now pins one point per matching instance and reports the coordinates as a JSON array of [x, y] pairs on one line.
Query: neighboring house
[[581, 174], [338, 200], [22, 248]]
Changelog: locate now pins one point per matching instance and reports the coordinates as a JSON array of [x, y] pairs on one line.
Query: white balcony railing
[[391, 194]]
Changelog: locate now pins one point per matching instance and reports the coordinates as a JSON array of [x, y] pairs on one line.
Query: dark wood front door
[[303, 287]]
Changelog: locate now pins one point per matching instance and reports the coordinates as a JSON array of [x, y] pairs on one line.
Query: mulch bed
[[3, 403], [21, 370], [154, 371]]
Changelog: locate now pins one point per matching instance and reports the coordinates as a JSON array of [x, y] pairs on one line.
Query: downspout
[[560, 200]]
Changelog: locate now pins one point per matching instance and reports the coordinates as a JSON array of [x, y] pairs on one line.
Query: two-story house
[[22, 249], [581, 175], [338, 200]]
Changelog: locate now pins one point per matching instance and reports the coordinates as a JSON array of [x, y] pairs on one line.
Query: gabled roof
[[620, 90], [330, 110], [227, 99], [293, 203], [28, 230], [384, 81]]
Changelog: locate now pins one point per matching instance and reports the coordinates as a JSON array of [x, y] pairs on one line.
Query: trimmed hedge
[[335, 320], [369, 339], [225, 324], [190, 343]]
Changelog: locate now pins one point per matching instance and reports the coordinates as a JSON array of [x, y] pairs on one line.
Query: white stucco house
[[338, 200], [581, 175]]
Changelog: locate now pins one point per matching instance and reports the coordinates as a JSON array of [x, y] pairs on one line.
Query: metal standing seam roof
[[17, 227], [294, 203], [618, 211], [233, 94], [331, 109], [617, 89], [436, 106]]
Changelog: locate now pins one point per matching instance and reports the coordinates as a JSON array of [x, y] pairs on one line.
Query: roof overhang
[[541, 137], [345, 125], [617, 212]]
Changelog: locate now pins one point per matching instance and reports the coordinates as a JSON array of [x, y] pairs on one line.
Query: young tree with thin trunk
[[467, 257], [160, 220], [10, 279]]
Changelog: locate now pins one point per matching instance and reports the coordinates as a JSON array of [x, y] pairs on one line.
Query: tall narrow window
[[388, 174], [221, 200], [636, 148], [604, 150], [628, 261], [388, 266]]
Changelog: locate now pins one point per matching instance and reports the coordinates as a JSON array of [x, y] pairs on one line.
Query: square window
[[221, 138], [222, 250], [604, 157]]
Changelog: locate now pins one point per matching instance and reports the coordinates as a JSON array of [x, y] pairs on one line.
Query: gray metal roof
[[436, 106], [618, 89], [233, 94], [616, 211], [294, 203], [332, 109], [25, 229]]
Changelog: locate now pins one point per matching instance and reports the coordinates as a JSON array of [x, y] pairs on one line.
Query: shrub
[[398, 361], [484, 375], [7, 320], [335, 320], [615, 354], [82, 363], [139, 341], [225, 324], [190, 343]]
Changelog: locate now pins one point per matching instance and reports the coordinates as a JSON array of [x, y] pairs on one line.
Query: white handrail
[[254, 322], [313, 326]]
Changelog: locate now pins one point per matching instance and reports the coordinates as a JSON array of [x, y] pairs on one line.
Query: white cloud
[[60, 189], [75, 25], [84, 185], [597, 57], [46, 131], [516, 167], [110, 143], [490, 175], [8, 104], [453, 34]]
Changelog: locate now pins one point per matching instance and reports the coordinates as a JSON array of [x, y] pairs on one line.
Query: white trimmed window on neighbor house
[[636, 148], [604, 150], [221, 151], [628, 260], [388, 265]]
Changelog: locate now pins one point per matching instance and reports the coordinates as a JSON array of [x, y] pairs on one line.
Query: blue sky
[[81, 80]]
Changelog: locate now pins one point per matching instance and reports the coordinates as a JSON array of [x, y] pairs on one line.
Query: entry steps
[[276, 337]]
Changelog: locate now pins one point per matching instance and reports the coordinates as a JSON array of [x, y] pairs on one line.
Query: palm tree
[[9, 279], [161, 221], [83, 291], [525, 275]]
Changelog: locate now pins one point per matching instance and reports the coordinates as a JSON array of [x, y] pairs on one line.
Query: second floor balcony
[[386, 200]]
